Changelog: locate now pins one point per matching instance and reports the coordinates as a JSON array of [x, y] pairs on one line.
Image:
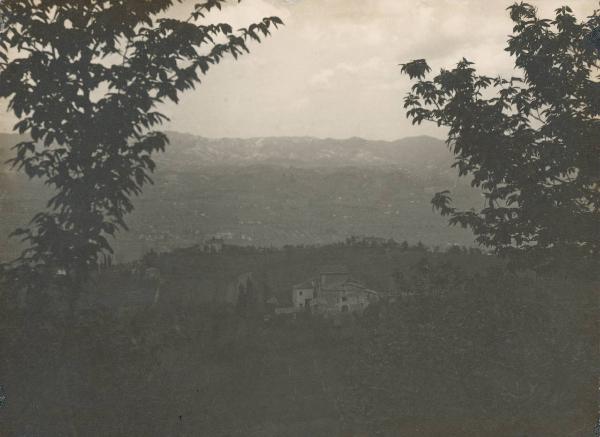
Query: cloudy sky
[[333, 71]]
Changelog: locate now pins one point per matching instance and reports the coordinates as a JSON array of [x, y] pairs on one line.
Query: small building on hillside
[[303, 294], [334, 291], [332, 274]]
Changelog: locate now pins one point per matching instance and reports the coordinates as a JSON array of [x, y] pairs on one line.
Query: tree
[[85, 84], [533, 146]]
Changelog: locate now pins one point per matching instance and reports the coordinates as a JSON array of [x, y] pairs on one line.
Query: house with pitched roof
[[333, 291], [303, 294]]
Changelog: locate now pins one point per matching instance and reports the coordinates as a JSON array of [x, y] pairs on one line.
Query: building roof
[[347, 285], [334, 269], [304, 285], [335, 284]]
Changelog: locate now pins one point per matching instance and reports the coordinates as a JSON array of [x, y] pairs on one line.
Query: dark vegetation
[[473, 350], [531, 146]]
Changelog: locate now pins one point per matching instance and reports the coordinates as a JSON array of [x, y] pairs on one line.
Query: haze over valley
[[273, 191]]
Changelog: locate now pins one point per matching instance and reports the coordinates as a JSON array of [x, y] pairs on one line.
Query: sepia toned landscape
[[299, 218]]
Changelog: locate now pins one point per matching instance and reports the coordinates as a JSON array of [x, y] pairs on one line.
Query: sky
[[332, 70]]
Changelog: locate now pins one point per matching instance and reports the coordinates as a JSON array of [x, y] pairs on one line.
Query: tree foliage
[[85, 78], [531, 143]]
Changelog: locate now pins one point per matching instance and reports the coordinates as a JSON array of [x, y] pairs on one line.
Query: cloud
[[323, 77], [348, 70], [332, 70]]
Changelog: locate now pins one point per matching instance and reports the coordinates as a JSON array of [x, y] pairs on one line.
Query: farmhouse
[[334, 291], [303, 294]]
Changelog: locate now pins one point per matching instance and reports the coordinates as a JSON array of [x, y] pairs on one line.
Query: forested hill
[[273, 191]]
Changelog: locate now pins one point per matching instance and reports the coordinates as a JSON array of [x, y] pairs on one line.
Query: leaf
[[416, 69]]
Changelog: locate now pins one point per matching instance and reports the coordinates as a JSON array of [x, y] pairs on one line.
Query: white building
[[303, 294], [333, 292]]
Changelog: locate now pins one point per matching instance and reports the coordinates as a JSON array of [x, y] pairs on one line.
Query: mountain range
[[272, 191], [421, 152]]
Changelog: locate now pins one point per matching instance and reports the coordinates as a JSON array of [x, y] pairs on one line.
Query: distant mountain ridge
[[186, 150], [411, 152], [271, 191]]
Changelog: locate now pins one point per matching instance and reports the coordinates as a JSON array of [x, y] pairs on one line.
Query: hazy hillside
[[186, 152], [273, 191], [412, 153]]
